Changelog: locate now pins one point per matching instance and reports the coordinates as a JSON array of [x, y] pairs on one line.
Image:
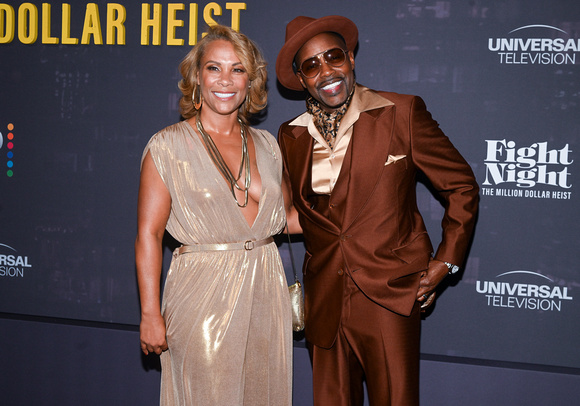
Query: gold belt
[[246, 245]]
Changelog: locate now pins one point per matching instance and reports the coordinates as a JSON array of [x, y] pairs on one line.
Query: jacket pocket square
[[394, 158]]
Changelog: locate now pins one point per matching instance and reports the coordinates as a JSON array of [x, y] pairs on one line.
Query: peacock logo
[[9, 146]]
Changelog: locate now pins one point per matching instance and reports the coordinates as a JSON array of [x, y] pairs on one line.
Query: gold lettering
[[92, 25], [153, 23], [236, 9], [7, 18], [211, 8], [173, 23], [116, 16], [193, 12], [46, 17], [27, 23], [65, 37]]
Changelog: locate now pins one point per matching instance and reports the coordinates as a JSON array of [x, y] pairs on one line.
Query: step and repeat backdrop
[[84, 85]]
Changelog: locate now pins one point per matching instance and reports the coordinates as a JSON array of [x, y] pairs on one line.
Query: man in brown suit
[[352, 159]]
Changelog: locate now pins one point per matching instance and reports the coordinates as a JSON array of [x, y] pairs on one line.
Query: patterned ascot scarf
[[327, 123]]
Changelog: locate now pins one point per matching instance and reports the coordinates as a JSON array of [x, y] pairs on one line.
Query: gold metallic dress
[[227, 312]]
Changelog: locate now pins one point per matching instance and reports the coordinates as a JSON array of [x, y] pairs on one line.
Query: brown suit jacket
[[374, 231]]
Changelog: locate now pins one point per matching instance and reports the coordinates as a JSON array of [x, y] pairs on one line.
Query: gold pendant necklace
[[219, 162]]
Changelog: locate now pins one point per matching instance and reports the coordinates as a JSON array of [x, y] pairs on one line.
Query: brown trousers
[[373, 345]]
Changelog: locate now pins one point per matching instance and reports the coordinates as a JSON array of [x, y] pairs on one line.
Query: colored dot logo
[[10, 147]]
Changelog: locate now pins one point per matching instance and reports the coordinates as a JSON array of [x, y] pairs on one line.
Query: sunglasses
[[334, 57]]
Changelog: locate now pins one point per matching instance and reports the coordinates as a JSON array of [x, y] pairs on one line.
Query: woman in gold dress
[[215, 184]]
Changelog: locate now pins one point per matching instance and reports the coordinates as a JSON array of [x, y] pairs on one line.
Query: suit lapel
[[369, 148], [299, 148]]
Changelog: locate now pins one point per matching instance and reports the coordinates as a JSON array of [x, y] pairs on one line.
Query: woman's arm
[[291, 213], [153, 210]]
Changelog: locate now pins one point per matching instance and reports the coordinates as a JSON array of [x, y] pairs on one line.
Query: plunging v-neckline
[[224, 185]]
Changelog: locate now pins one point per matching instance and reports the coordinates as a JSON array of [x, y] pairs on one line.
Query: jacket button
[[340, 271]]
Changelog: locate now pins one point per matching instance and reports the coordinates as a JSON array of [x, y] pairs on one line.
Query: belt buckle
[[249, 245]]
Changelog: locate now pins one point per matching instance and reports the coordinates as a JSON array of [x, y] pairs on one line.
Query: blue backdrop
[[501, 77]]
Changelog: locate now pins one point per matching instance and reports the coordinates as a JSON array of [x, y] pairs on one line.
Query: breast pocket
[[396, 162]]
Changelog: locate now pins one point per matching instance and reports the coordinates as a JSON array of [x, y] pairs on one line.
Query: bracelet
[[453, 269]]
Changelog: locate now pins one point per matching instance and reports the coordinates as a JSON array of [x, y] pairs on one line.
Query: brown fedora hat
[[301, 30]]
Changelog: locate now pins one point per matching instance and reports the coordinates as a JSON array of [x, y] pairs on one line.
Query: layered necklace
[[219, 162]]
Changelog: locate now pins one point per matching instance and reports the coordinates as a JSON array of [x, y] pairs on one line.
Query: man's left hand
[[430, 278]]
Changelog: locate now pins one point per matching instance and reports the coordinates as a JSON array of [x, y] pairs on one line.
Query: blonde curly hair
[[251, 58]]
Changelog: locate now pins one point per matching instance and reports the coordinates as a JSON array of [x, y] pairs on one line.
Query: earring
[[197, 102], [248, 102]]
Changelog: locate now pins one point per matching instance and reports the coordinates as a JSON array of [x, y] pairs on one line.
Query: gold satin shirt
[[327, 162]]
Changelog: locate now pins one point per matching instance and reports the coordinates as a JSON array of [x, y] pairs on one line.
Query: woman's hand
[[152, 334]]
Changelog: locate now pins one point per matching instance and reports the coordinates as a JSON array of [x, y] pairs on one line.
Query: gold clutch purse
[[297, 303], [296, 296]]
